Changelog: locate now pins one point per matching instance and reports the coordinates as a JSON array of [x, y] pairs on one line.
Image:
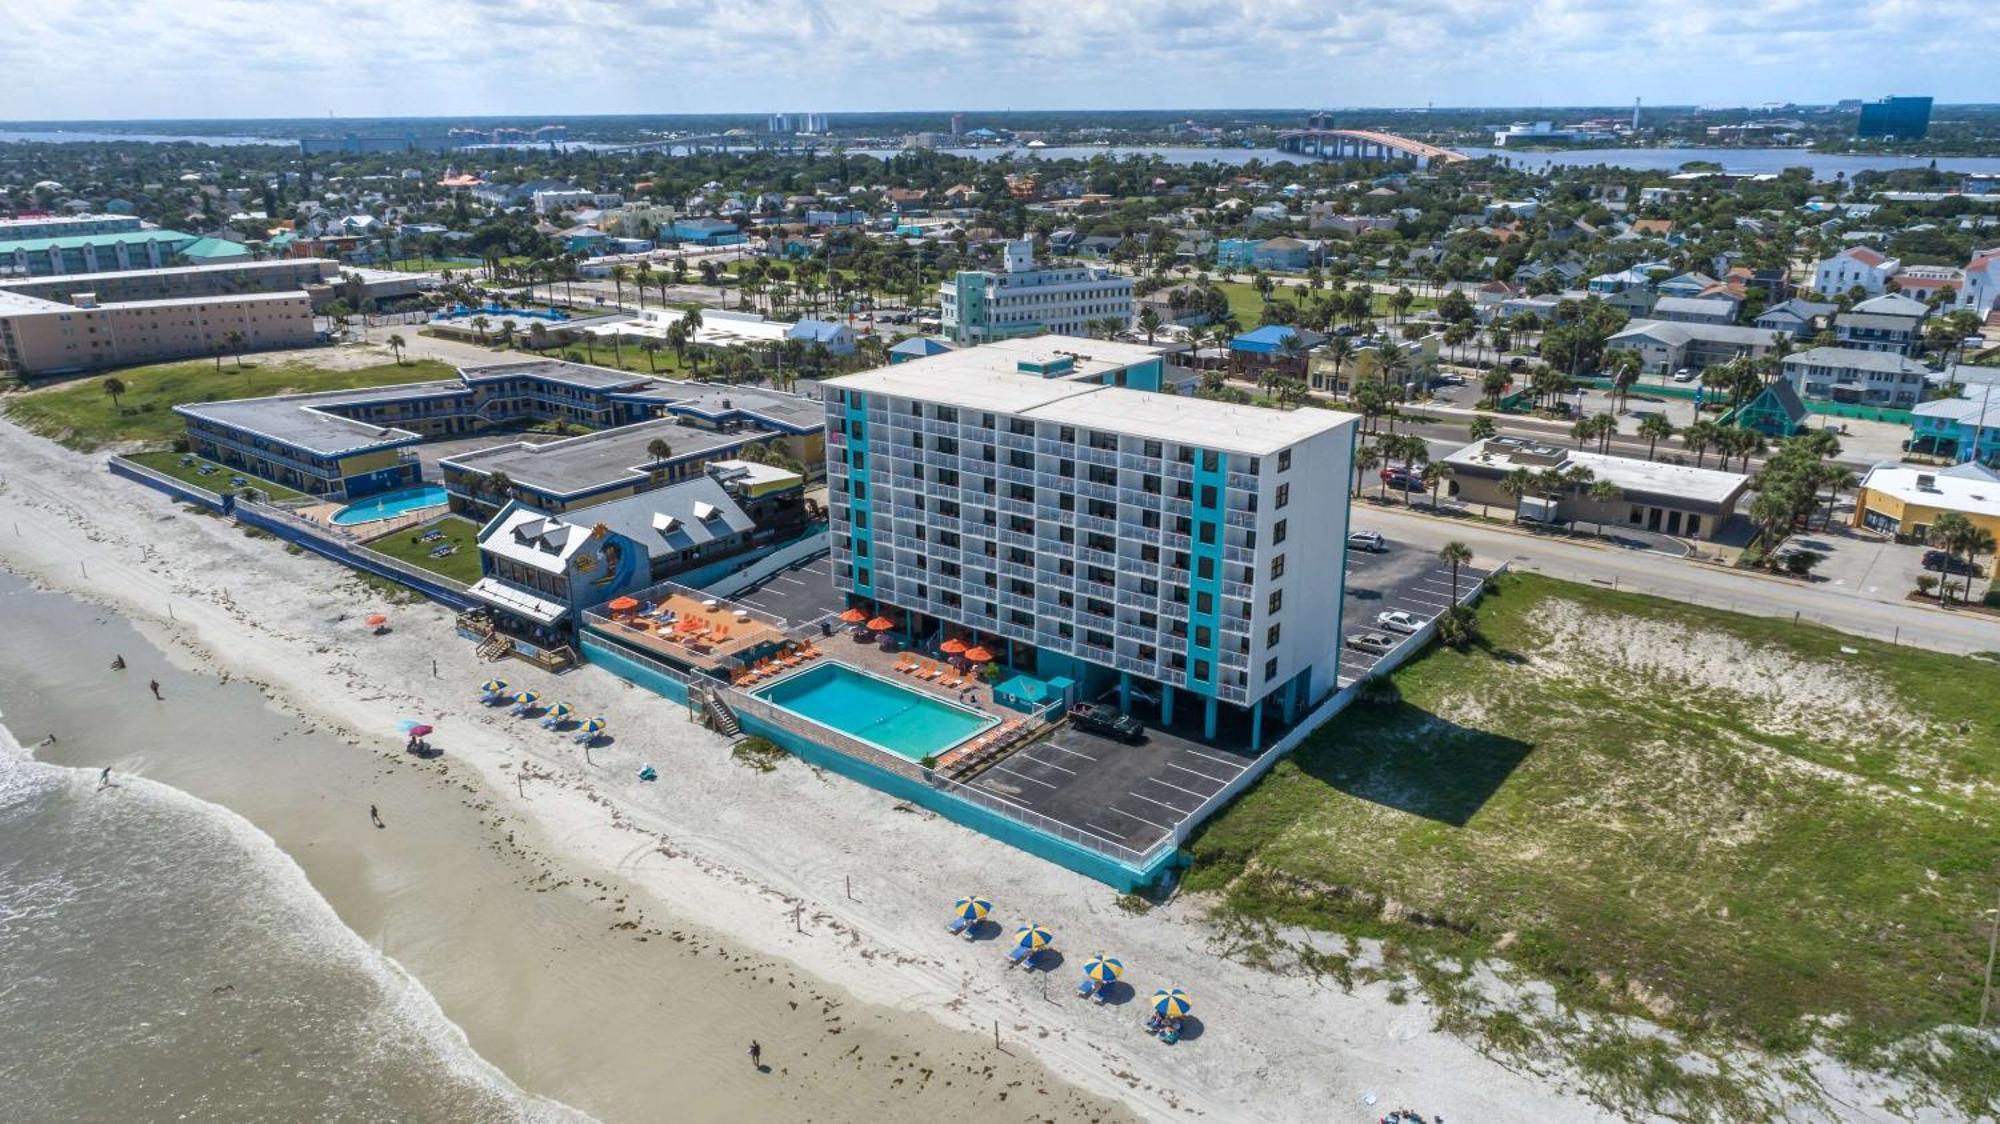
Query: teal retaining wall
[[606, 655], [1068, 855]]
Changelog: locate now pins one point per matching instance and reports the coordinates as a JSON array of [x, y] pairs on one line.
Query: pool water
[[388, 505], [902, 720]]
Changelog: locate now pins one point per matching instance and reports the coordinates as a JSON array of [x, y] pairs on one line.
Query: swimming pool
[[388, 505], [901, 720]]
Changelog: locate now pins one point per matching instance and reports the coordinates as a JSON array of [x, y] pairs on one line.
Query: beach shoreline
[[763, 860]]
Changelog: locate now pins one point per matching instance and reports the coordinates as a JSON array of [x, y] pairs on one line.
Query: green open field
[[1248, 307], [1748, 831], [83, 416], [458, 531], [217, 479]]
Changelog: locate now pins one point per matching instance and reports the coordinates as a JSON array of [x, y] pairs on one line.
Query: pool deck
[[703, 651], [322, 514], [834, 656]]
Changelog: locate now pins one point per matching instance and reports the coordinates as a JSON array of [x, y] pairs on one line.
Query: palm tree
[[1149, 323], [499, 484], [1339, 350], [642, 276], [1604, 493], [1400, 302], [396, 343], [1699, 437], [1455, 554], [659, 450], [1655, 428], [1435, 474], [1837, 480], [1950, 533], [1366, 460], [1481, 428], [651, 347], [479, 324], [619, 275], [115, 388], [234, 341]]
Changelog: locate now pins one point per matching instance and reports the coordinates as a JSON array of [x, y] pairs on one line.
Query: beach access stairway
[[721, 718]]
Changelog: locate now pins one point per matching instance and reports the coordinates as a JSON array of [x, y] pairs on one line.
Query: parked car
[[1379, 643], [1139, 695], [1403, 481], [1371, 541], [1110, 723], [1685, 374], [1396, 620], [1947, 564]]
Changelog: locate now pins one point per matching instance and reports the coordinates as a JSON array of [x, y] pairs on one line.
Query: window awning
[[518, 601]]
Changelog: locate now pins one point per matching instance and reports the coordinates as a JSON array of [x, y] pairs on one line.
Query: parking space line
[[1099, 832], [1017, 773], [1239, 766], [1181, 812], [1149, 823], [1050, 764], [1178, 788], [1202, 775], [1068, 750]]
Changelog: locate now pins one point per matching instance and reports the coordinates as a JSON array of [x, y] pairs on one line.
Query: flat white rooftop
[[1971, 489], [1678, 481]]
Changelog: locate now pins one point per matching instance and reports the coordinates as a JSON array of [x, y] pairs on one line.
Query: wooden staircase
[[720, 717]]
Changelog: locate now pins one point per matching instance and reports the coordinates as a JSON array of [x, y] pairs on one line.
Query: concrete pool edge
[[987, 721], [443, 499]]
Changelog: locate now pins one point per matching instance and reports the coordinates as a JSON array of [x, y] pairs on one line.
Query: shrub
[[760, 754], [1926, 585], [1458, 627]]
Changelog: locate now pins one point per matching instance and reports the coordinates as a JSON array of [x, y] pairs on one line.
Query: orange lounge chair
[[951, 681], [930, 671], [904, 662]]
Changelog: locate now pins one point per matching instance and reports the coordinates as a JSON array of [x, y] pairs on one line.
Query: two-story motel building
[[1113, 536]]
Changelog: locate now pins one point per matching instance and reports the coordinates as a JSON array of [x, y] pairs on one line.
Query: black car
[[1110, 723], [1946, 563]]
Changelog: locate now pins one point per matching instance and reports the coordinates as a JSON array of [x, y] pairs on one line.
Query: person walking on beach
[[154, 686], [375, 817], [118, 663], [104, 778], [756, 1055]]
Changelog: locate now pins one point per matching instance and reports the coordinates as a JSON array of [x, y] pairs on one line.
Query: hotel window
[[1204, 568], [1203, 638], [1284, 495], [1271, 636], [1284, 459], [1277, 567], [1208, 496], [1201, 670], [1204, 602], [1278, 532], [1210, 460], [1277, 600]]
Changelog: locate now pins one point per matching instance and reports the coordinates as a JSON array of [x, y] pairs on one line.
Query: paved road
[[1842, 608]]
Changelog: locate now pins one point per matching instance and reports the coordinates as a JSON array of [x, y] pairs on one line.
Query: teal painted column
[[1208, 719], [1124, 692], [1257, 726], [1166, 704]]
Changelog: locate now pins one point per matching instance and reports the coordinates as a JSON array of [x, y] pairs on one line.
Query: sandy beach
[[752, 869]]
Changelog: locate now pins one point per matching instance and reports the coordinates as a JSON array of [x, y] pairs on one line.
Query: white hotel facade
[[1115, 537], [1025, 299]]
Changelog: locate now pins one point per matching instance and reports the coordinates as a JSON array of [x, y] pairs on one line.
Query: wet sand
[[575, 986]]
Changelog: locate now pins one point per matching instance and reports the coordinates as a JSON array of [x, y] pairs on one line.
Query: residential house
[[1886, 323], [1800, 319], [1666, 346], [1686, 285], [1695, 310], [1963, 428], [1980, 291], [835, 337], [1845, 374], [1860, 267], [1274, 348]]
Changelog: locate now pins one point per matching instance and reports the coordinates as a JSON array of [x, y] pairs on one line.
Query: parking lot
[[1399, 577], [1132, 795], [799, 595]]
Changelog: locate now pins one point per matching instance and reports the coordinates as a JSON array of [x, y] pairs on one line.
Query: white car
[[1396, 620], [1685, 374]]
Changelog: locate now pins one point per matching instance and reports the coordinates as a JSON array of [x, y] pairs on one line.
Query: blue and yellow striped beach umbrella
[[493, 686], [1103, 968], [561, 711], [971, 908], [525, 698], [1172, 1004], [1033, 937], [594, 726]]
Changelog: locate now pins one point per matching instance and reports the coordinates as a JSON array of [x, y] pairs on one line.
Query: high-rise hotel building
[[1117, 537]]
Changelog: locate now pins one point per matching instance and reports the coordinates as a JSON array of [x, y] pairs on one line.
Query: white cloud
[[286, 58]]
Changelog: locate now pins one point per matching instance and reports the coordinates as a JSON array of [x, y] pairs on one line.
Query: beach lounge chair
[[951, 680], [959, 925], [932, 671], [1019, 954], [906, 662], [812, 653]]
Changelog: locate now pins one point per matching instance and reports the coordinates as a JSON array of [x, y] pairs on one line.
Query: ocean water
[[162, 959]]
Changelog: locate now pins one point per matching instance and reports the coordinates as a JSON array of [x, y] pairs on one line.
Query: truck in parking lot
[[1103, 720]]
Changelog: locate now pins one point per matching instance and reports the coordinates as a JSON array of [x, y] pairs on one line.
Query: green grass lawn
[[1248, 307], [458, 531], [1731, 825], [168, 463], [83, 416]]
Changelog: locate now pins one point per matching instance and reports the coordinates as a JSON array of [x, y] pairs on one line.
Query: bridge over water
[[1364, 144]]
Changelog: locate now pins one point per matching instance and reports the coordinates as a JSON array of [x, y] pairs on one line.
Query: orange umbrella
[[952, 646], [623, 604], [978, 655], [378, 619], [881, 624], [854, 616]]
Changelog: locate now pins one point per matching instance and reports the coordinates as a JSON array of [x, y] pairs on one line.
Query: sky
[[142, 59]]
